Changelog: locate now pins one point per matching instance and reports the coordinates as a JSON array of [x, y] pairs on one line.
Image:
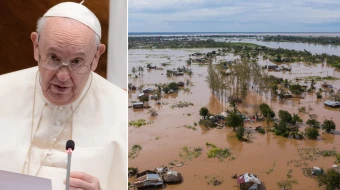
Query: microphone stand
[[69, 154]]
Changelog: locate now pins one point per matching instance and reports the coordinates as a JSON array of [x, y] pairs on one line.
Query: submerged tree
[[204, 112], [240, 133], [242, 74], [331, 179], [328, 125], [312, 133], [134, 70], [234, 120], [285, 116], [266, 111]]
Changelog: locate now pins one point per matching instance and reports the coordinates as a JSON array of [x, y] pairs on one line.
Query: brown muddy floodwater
[[267, 155]]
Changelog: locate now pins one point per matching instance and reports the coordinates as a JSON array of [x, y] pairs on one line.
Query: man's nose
[[63, 74]]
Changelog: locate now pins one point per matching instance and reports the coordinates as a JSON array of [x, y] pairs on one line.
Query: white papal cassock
[[34, 143]]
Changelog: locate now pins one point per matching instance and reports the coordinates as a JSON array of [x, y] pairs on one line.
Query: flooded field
[[269, 156]]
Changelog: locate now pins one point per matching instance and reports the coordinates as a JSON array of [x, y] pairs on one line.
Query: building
[[138, 105], [148, 179], [333, 104], [248, 182]]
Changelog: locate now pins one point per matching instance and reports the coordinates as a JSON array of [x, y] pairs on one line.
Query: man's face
[[66, 40]]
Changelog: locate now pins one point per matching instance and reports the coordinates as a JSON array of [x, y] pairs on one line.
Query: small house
[[138, 105], [151, 67], [333, 104], [154, 97], [325, 84], [197, 54], [248, 182], [148, 179], [180, 84], [172, 177], [272, 66], [133, 87], [317, 171], [147, 90], [287, 95]]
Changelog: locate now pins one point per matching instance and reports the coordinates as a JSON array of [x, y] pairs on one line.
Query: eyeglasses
[[53, 63]]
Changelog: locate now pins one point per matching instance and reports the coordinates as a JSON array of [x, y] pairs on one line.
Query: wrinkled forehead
[[67, 33]]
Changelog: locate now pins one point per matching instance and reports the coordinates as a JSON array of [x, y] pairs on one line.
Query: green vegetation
[[325, 40], [285, 116], [296, 118], [190, 153], [240, 132], [214, 180], [287, 183], [246, 50], [261, 130], [204, 112], [143, 98], [311, 154], [132, 171], [296, 89], [210, 145], [289, 173], [266, 111], [312, 133], [271, 169], [207, 123], [173, 86], [234, 120], [319, 95], [328, 125], [134, 152], [281, 129], [190, 127], [331, 179], [181, 104], [313, 123], [216, 152], [327, 153], [302, 109], [139, 123]]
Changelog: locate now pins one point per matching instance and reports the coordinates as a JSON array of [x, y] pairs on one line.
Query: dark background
[[18, 18]]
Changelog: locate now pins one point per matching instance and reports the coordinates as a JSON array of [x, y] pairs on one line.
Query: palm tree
[[141, 70], [134, 70]]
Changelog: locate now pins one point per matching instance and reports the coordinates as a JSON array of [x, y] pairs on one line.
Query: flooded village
[[232, 112]]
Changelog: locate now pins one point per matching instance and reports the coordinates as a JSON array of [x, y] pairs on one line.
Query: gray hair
[[41, 23]]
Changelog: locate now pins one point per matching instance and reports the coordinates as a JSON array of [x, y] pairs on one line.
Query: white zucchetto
[[77, 12]]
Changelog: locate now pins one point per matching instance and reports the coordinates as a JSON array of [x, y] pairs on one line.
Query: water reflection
[[233, 142]]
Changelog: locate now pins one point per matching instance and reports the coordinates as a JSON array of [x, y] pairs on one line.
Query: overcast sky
[[234, 15]]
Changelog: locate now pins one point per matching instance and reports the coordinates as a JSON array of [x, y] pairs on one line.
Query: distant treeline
[[198, 35], [244, 49], [325, 40]]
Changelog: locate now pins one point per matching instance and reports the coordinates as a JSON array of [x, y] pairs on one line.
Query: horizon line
[[234, 32]]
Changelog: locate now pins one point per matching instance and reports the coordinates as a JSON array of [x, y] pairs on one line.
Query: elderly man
[[61, 99]]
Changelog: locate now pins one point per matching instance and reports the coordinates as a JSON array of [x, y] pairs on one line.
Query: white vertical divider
[[117, 44]]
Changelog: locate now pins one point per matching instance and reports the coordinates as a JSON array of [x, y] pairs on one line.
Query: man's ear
[[34, 38], [101, 49]]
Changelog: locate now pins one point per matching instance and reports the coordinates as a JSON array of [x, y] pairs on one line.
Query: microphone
[[69, 149]]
